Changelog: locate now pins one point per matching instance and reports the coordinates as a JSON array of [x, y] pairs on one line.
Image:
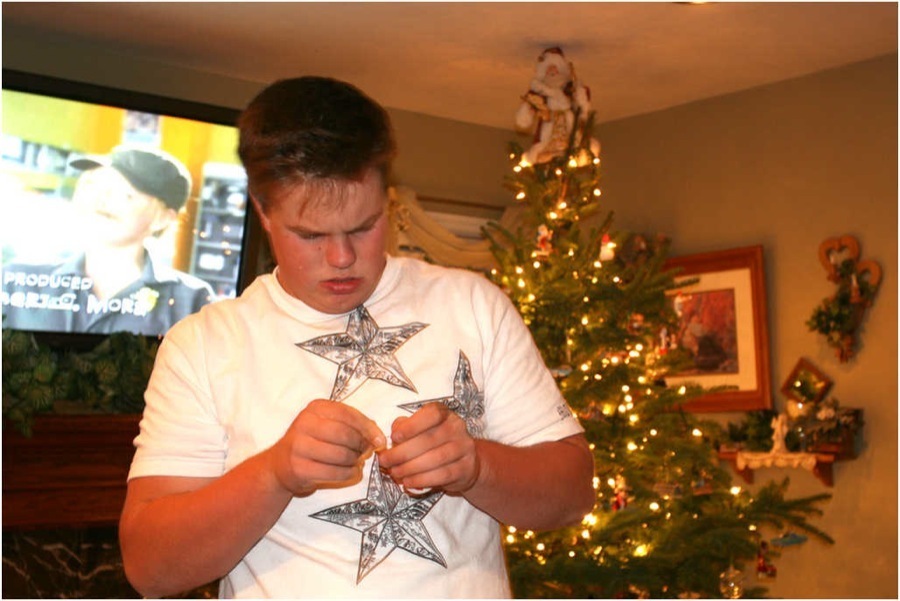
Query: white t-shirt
[[229, 380]]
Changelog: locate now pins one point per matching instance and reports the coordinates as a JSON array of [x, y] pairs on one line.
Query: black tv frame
[[33, 83]]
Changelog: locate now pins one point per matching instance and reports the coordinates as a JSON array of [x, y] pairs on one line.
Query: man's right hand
[[178, 532], [325, 447]]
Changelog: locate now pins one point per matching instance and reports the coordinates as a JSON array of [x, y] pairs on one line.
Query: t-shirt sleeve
[[523, 404], [180, 434]]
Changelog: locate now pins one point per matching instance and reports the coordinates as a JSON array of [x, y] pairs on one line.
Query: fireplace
[[63, 490]]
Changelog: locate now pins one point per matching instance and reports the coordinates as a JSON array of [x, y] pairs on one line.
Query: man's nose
[[340, 252], [106, 198]]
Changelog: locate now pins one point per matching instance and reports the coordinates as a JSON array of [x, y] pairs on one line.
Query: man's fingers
[[397, 431], [432, 437], [426, 418], [333, 454], [348, 416]]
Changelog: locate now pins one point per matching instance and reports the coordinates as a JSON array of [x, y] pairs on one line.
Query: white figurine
[[779, 431], [549, 107]]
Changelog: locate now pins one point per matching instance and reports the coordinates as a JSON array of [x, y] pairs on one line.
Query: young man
[[115, 283], [353, 424]]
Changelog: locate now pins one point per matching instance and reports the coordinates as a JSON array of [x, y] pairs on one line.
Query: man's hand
[[177, 533], [538, 487], [325, 447], [431, 449]]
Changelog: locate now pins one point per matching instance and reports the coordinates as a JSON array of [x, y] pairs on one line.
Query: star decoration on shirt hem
[[388, 519], [364, 351], [467, 401]]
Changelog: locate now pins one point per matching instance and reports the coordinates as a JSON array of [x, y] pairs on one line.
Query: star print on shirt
[[364, 351], [467, 401], [388, 519]]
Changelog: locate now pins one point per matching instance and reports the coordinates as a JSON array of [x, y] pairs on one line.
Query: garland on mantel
[[110, 378]]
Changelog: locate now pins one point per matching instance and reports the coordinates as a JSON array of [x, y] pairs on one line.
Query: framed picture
[[806, 383], [723, 326]]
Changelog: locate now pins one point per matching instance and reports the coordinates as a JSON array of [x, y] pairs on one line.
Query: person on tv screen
[[354, 424], [115, 283]]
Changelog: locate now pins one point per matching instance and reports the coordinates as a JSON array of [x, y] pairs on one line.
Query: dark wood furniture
[[70, 473]]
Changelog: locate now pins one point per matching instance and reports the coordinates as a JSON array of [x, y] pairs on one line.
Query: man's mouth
[[342, 285]]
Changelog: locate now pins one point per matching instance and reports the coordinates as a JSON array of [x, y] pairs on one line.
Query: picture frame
[[724, 327], [806, 383]]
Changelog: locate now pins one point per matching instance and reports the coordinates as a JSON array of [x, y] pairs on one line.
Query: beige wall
[[438, 157], [785, 166], [788, 166]]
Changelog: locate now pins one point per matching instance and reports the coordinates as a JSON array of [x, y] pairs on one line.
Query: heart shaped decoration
[[870, 271], [834, 251]]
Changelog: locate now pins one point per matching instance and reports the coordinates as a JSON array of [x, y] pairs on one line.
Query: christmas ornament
[[763, 567], [620, 494], [789, 538], [635, 251], [607, 246], [554, 103], [544, 242], [561, 372], [731, 583], [635, 323], [701, 487], [666, 341], [667, 490]]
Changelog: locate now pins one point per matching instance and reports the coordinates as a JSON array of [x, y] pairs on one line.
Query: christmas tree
[[668, 520]]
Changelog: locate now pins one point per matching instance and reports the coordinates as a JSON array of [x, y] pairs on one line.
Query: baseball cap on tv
[[149, 170]]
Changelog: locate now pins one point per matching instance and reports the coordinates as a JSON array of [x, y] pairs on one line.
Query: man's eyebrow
[[369, 222], [299, 229], [365, 224]]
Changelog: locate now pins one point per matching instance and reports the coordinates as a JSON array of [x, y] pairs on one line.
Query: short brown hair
[[312, 128]]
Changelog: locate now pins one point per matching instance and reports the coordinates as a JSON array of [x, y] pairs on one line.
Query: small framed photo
[[723, 327], [806, 383]]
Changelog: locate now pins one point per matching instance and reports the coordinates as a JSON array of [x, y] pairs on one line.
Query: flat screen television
[[121, 211]]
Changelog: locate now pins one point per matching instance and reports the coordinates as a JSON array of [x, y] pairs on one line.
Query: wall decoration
[[819, 424], [723, 328], [418, 232], [839, 316], [804, 387]]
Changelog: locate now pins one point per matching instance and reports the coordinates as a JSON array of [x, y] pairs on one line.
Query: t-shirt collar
[[301, 310]]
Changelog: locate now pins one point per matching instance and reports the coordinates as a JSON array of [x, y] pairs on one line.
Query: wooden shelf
[[72, 472], [822, 470]]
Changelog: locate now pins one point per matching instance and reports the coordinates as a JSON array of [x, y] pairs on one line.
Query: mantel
[[70, 473]]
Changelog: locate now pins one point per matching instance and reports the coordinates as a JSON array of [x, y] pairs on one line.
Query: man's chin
[[339, 306], [337, 303]]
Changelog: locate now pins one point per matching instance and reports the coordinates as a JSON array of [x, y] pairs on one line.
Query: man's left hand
[[432, 449]]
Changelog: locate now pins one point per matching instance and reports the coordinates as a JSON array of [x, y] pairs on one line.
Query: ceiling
[[471, 62]]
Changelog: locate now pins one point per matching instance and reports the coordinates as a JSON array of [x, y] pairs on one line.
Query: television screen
[[121, 211]]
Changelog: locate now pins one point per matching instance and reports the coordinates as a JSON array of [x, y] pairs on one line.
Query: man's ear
[[261, 213], [165, 216]]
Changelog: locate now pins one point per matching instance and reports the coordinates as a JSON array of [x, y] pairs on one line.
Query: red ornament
[[763, 567]]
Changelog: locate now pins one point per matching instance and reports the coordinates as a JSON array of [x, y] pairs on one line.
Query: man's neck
[[113, 268]]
